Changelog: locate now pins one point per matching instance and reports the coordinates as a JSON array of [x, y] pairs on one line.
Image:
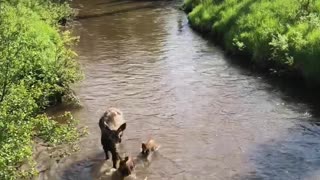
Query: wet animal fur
[[126, 167], [112, 125], [148, 148], [103, 171]]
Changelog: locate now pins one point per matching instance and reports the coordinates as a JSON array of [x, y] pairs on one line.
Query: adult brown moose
[[112, 125]]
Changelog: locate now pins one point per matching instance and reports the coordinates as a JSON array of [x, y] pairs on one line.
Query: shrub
[[284, 33], [36, 69]]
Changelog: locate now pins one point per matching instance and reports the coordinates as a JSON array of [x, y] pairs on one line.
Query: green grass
[[281, 33], [37, 68]]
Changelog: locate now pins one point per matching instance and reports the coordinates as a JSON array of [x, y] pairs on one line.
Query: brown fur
[[126, 166], [149, 147], [102, 170], [113, 118]]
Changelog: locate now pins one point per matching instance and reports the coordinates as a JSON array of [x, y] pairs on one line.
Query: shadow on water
[[93, 166], [118, 2], [295, 156], [293, 90], [82, 168], [147, 4], [113, 2], [114, 12]]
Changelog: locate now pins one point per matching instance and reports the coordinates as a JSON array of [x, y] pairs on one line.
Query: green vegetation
[[36, 70], [280, 33]]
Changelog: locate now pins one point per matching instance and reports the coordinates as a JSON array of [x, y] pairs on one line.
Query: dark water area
[[213, 118]]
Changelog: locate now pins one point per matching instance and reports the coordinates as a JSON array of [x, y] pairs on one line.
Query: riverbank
[[280, 34], [37, 67]]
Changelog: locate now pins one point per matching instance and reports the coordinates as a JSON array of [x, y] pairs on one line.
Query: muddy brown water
[[214, 119]]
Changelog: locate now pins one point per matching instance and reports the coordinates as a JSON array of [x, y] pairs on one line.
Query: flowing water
[[213, 118]]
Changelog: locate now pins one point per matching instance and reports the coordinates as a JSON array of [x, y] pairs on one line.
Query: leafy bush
[[36, 69], [284, 33], [48, 129]]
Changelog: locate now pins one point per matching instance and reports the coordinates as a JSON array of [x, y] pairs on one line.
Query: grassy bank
[[36, 70], [283, 34]]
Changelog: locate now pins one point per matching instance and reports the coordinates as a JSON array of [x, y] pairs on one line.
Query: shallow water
[[214, 119]]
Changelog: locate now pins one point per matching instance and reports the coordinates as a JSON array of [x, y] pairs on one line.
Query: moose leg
[[106, 152], [115, 158], [105, 148]]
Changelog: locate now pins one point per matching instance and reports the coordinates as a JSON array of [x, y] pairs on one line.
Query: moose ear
[[143, 146], [126, 158], [122, 127]]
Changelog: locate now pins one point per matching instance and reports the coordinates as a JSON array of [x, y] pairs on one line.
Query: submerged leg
[[115, 158], [105, 148], [106, 152]]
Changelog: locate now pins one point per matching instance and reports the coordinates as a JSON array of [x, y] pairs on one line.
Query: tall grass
[[281, 33], [36, 69]]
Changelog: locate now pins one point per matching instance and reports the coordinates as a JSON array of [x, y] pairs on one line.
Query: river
[[213, 118]]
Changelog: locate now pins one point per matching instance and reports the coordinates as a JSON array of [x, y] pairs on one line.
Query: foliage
[[36, 69], [284, 33], [49, 130]]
